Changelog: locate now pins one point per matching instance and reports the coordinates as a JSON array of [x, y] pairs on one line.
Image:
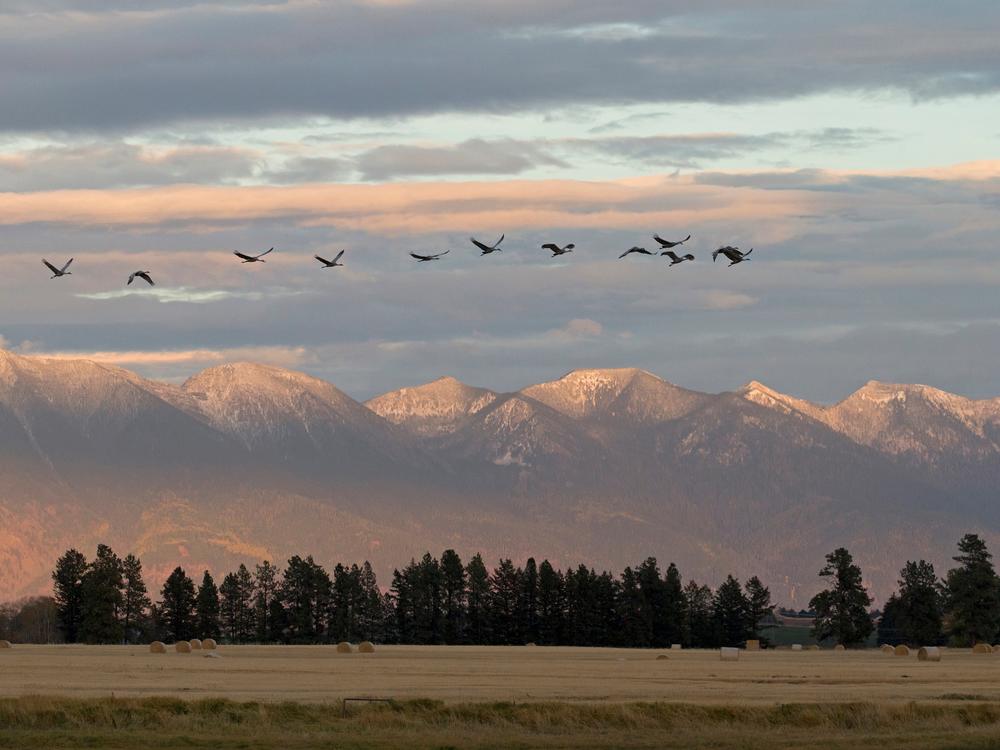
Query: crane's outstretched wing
[[339, 256], [420, 257], [145, 277], [51, 267], [265, 253], [670, 254], [324, 261], [68, 262], [482, 246], [550, 246], [244, 257]]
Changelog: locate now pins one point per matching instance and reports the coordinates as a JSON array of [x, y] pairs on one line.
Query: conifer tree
[[453, 597], [177, 606], [266, 586], [550, 604], [731, 613], [478, 612], [842, 609], [759, 605], [207, 608], [135, 599], [68, 593], [973, 592], [102, 599], [919, 617]]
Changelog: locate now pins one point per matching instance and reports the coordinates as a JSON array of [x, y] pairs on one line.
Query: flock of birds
[[734, 254]]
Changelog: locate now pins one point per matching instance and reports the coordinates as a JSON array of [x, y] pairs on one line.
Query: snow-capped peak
[[434, 408]]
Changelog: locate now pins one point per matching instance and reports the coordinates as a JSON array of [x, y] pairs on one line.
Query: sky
[[854, 145]]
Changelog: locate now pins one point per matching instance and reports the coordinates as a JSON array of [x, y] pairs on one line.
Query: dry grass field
[[269, 697]]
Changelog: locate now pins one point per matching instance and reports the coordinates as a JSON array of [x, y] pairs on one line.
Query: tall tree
[[759, 605], [207, 608], [135, 599], [478, 611], [551, 614], [842, 609], [306, 589], [453, 596], [973, 593], [918, 616], [102, 599], [527, 602], [731, 613], [370, 617], [505, 585], [68, 588], [676, 605], [177, 606], [266, 586], [700, 629]]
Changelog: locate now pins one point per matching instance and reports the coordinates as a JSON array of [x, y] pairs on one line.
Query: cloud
[[475, 157], [189, 295], [83, 67]]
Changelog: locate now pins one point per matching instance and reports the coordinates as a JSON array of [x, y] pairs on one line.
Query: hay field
[[277, 696]]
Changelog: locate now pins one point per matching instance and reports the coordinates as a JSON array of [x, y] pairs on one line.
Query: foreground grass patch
[[56, 722]]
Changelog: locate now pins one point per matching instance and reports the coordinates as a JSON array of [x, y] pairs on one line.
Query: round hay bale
[[366, 647], [182, 647], [727, 653], [982, 648], [195, 644], [901, 650], [209, 644], [812, 647], [5, 644], [345, 648], [157, 647], [796, 647], [662, 657], [676, 647], [929, 653], [753, 645], [840, 647], [887, 649], [531, 643]]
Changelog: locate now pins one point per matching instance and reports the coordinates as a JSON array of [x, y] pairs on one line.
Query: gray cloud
[[475, 156], [225, 62]]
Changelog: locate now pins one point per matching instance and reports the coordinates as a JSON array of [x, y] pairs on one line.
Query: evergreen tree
[[888, 623], [135, 599], [478, 612], [634, 631], [177, 606], [102, 599], [207, 608], [759, 606], [427, 590], [550, 605], [229, 618], [918, 618], [675, 604], [266, 586], [453, 597], [371, 616], [973, 593], [68, 589], [527, 603], [842, 610], [731, 613], [347, 604], [305, 590], [605, 623], [403, 619], [700, 629], [505, 585]]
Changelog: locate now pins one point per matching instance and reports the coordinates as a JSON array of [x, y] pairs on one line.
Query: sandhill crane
[[675, 258], [253, 258], [734, 254], [556, 250], [487, 249], [57, 272], [640, 250], [667, 244], [425, 258], [144, 275], [331, 263]]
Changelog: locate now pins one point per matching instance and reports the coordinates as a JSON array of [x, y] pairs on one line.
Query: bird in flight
[[253, 258], [144, 275], [331, 263], [734, 254], [667, 244], [675, 258], [424, 258], [641, 250], [556, 250], [487, 249], [57, 272]]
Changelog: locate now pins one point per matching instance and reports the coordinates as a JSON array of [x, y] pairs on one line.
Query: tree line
[[447, 601]]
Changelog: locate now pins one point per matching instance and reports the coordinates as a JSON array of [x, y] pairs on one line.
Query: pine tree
[[527, 603], [633, 633], [135, 599], [973, 593], [346, 604], [266, 586], [427, 597], [68, 589], [305, 590], [918, 617], [676, 606], [102, 599], [177, 606], [842, 610], [731, 613], [759, 606], [371, 616], [888, 624], [551, 612], [479, 618], [700, 629], [453, 597], [207, 608], [505, 584]]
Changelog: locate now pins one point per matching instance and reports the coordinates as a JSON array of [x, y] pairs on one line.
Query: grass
[[167, 723]]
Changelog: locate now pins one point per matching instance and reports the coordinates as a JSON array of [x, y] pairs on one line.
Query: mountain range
[[244, 462]]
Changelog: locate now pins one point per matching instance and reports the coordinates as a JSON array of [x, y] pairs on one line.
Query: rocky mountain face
[[245, 462]]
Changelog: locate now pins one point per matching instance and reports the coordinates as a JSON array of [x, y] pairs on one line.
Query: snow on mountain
[[432, 409], [627, 393]]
